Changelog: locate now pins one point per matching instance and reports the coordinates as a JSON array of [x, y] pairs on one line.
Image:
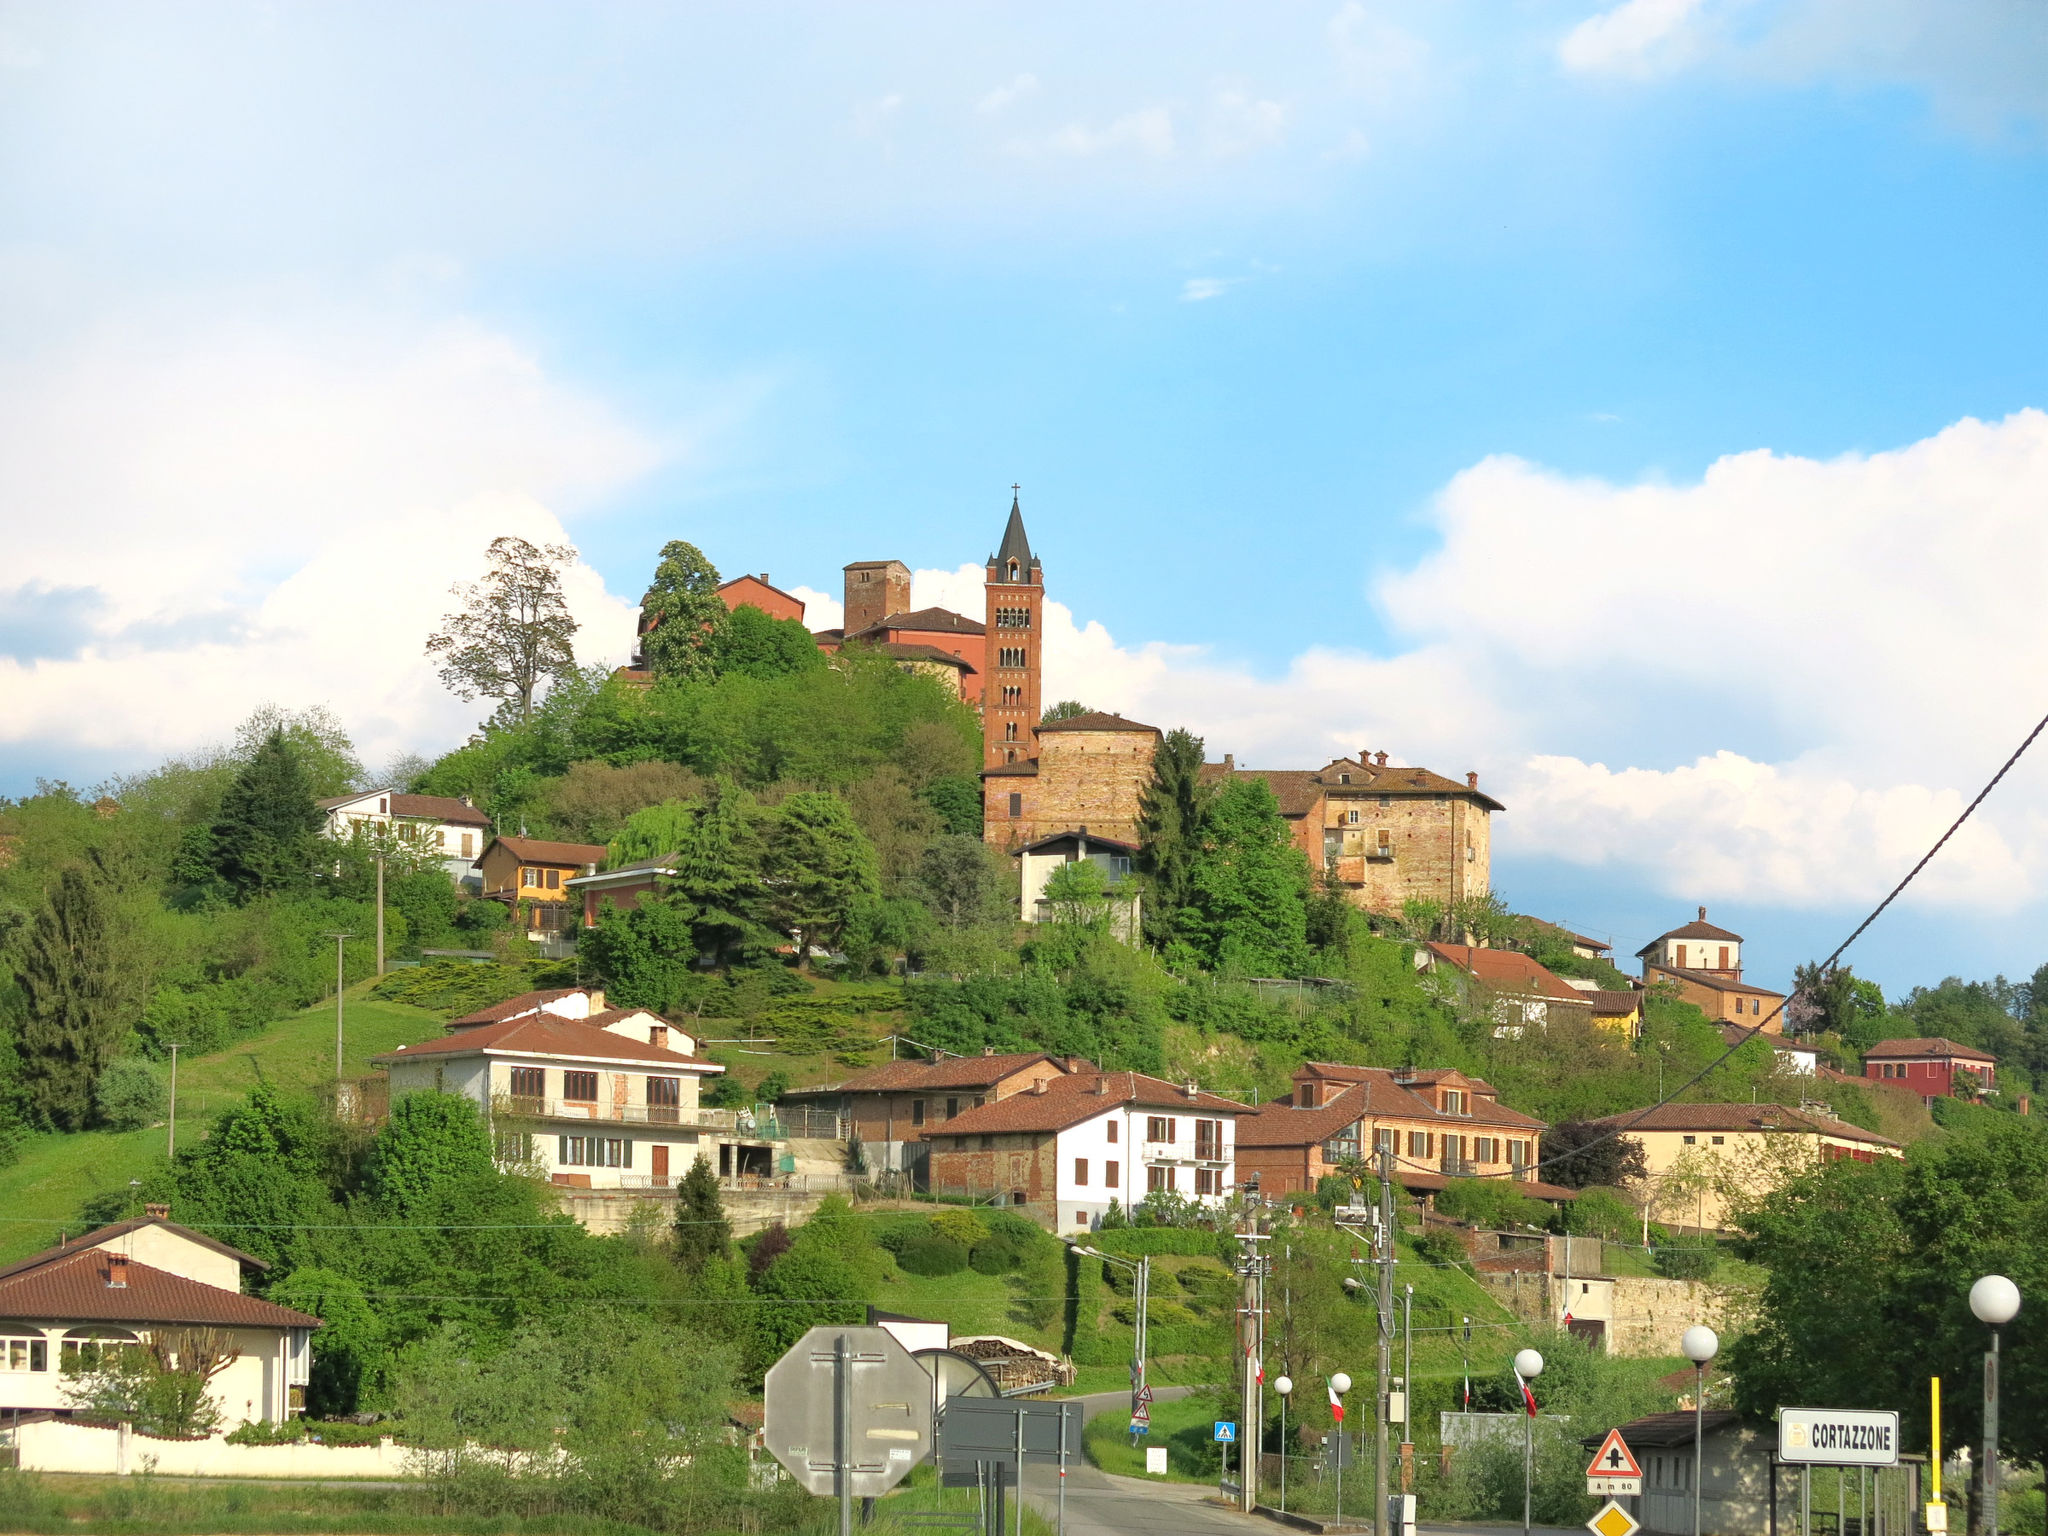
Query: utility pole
[[1382, 1487], [380, 914], [339, 940], [1252, 1395], [1408, 1390], [171, 1136]]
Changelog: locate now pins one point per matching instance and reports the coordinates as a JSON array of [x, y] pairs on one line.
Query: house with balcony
[[1933, 1068], [148, 1282], [889, 1107], [589, 1097], [531, 876], [455, 830], [1441, 1125], [1066, 1147]]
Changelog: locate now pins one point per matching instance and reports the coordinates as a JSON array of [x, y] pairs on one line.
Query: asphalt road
[[1099, 1504]]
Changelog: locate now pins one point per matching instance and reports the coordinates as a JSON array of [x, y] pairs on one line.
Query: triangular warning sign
[[1614, 1458]]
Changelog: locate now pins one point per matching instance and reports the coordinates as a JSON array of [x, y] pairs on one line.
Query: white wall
[[167, 1251], [1080, 1207], [256, 1386], [62, 1446]]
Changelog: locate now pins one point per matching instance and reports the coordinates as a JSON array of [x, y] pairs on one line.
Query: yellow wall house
[[1705, 1160], [535, 874]]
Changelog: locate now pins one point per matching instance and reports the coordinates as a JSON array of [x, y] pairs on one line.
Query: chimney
[[764, 579], [468, 802], [1471, 780], [1188, 1089], [988, 1050], [117, 1271], [1703, 914], [596, 995], [1101, 1088], [157, 1212], [1379, 759], [1230, 762], [1038, 1085], [2026, 1104]]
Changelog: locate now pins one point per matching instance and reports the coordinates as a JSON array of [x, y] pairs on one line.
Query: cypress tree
[[702, 1232], [265, 837], [73, 1023], [1171, 818]]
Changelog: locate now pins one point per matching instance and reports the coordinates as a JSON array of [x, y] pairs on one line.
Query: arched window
[[24, 1349], [1013, 570], [85, 1349]]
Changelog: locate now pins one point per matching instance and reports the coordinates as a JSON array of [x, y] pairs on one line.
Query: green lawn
[[42, 1191]]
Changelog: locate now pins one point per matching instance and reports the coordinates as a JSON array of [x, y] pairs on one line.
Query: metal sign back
[[979, 1429], [890, 1426]]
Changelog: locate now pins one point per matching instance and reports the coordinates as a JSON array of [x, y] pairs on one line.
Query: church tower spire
[[1010, 702]]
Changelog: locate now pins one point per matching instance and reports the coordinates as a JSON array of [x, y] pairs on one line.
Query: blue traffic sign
[[1226, 1432]]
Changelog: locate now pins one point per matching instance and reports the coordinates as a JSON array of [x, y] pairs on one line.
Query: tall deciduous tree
[[1588, 1155], [316, 736], [1170, 830], [430, 1141], [682, 615], [642, 954], [961, 880], [513, 629], [750, 643], [72, 1025], [718, 871], [265, 838], [1247, 907], [819, 865], [702, 1231]]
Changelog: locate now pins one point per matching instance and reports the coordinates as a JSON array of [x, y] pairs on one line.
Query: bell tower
[[1015, 632]]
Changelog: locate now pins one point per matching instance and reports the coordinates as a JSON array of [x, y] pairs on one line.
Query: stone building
[[1089, 772], [1386, 834]]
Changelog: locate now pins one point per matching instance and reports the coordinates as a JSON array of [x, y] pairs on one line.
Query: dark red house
[[1929, 1067]]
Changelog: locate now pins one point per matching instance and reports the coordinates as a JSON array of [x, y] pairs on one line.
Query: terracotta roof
[[1298, 789], [545, 1034], [1934, 1045], [74, 1289], [903, 650], [116, 1229], [1718, 983], [1662, 1431], [1094, 840], [513, 1007], [1700, 928], [1506, 970], [1373, 1092], [1740, 1117], [950, 1072], [1609, 1003], [930, 620], [1072, 1099], [1095, 720], [761, 581], [533, 850], [425, 807], [828, 636]]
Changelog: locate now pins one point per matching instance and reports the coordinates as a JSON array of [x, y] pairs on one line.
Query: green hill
[[41, 1192]]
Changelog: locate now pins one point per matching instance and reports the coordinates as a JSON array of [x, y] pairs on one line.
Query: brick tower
[[874, 590], [1016, 602]]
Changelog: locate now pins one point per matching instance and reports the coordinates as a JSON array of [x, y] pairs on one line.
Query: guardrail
[[581, 1110]]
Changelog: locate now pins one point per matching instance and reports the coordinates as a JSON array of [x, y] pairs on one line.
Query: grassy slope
[[55, 1174]]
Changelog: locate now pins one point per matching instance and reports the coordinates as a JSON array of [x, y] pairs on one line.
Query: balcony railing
[[1460, 1167], [628, 1114]]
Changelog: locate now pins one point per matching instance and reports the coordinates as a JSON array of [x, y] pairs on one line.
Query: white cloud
[[1004, 97], [275, 510], [1241, 123], [1148, 131], [822, 610], [1636, 37], [1196, 289], [1375, 56]]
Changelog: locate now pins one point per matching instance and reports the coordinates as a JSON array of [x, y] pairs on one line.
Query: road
[[1099, 1504]]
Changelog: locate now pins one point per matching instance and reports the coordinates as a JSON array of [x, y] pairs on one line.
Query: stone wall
[[607, 1211], [1442, 847], [1025, 1161], [1645, 1316], [1091, 779]]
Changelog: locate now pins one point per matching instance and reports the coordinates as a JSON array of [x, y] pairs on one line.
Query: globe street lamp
[[1699, 1345], [1528, 1366], [1283, 1385], [1996, 1301], [1340, 1383]]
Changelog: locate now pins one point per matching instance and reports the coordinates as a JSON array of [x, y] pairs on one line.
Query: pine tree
[[1171, 817], [702, 1232], [718, 871], [682, 615], [73, 1023], [266, 837], [819, 865], [1248, 888]]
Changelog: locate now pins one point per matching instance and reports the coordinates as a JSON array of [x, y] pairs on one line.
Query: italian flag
[[1336, 1406], [1528, 1398], [1258, 1366]]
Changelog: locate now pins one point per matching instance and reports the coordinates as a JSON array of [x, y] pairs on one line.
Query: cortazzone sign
[[1839, 1437]]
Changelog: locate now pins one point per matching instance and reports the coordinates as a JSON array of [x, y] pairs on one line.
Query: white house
[[123, 1285], [1069, 1145], [1039, 861], [455, 829], [592, 1097]]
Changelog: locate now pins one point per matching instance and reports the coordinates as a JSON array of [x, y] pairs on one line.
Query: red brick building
[[1930, 1067], [1704, 964], [1015, 592]]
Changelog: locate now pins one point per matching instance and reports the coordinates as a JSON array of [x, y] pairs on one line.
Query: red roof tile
[[1507, 970], [545, 1034], [74, 1289], [122, 1229], [950, 1072], [513, 1007], [1095, 720], [1933, 1045], [1718, 983], [534, 850], [1740, 1117], [1074, 1098]]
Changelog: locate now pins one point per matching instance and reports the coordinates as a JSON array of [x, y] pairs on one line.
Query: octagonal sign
[[851, 1396]]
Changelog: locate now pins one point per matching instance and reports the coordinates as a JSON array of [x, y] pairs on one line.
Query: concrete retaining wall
[[749, 1210], [57, 1445]]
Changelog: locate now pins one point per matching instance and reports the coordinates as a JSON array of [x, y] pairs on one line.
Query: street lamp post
[[1699, 1345], [340, 980], [1996, 1301], [1528, 1366], [1283, 1385], [1141, 1286], [1340, 1384]]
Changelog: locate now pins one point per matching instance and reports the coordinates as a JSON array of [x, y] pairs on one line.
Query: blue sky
[[1638, 403]]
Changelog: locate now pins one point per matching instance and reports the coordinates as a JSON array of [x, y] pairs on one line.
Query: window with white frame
[[595, 1152]]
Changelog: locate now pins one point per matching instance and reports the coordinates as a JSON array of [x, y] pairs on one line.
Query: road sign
[[1614, 1470], [852, 1396], [984, 1429], [1226, 1432], [1839, 1437], [1144, 1395], [1610, 1519]]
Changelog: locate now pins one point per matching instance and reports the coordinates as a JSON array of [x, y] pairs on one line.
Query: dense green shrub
[[1492, 1203], [1687, 1262], [1437, 1246], [454, 987], [998, 1254], [963, 1227], [930, 1253], [128, 1095]]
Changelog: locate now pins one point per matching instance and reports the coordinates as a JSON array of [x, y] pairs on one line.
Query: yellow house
[[1617, 1009], [1705, 1160], [537, 873]]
